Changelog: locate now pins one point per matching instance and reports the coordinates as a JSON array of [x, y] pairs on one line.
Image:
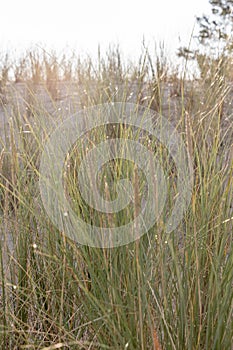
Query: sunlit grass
[[161, 292]]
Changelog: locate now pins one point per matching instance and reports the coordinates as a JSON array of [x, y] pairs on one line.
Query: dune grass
[[164, 291]]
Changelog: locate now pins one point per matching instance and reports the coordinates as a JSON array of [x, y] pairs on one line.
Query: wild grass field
[[163, 291]]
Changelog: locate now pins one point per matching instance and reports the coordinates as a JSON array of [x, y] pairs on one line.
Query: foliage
[[217, 28]]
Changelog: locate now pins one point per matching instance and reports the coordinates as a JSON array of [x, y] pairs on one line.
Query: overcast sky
[[85, 24]]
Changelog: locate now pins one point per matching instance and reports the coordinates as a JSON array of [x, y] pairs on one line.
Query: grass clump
[[164, 291]]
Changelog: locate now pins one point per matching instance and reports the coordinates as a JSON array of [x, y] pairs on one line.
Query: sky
[[85, 24]]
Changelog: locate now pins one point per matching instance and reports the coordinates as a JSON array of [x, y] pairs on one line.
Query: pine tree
[[217, 28]]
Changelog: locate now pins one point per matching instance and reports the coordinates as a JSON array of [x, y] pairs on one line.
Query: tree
[[215, 31], [217, 28]]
